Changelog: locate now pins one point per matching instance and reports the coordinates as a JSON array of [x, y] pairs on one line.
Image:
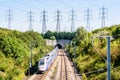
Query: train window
[[41, 62], [47, 55]]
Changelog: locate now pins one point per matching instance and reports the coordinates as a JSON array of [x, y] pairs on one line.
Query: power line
[[18, 2], [44, 26], [30, 19], [58, 19], [88, 18], [103, 12], [64, 3], [30, 4], [83, 4], [49, 6], [9, 15]]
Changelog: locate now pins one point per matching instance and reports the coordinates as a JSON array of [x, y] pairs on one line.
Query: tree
[[84, 76], [116, 33], [52, 38], [59, 35], [81, 35], [48, 34]]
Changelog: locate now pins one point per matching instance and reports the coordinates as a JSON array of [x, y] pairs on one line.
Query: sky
[[20, 9]]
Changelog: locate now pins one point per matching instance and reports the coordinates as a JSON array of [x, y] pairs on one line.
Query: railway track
[[64, 70], [39, 76], [63, 73]]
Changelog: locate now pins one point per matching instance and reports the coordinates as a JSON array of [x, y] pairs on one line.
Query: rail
[[63, 73]]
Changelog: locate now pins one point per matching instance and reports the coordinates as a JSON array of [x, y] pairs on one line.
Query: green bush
[[92, 56], [15, 52], [84, 77]]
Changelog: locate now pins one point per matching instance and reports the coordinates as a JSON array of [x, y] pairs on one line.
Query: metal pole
[[74, 58], [108, 58], [30, 55]]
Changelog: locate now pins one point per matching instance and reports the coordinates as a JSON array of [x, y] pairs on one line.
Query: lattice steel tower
[[88, 18], [30, 19], [103, 14], [9, 15], [44, 22], [58, 19], [72, 21]]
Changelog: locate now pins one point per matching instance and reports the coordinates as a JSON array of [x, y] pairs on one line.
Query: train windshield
[[41, 62], [47, 55]]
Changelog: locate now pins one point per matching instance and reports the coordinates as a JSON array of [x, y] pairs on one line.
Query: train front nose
[[42, 68]]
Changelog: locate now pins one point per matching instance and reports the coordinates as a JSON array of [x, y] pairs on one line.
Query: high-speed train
[[45, 62]]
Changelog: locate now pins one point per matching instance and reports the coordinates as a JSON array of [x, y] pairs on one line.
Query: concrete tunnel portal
[[59, 46]]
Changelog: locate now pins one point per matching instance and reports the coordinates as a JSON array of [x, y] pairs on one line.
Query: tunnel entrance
[[59, 46]]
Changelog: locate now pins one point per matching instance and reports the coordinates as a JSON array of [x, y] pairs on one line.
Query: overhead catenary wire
[[108, 64], [98, 52]]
